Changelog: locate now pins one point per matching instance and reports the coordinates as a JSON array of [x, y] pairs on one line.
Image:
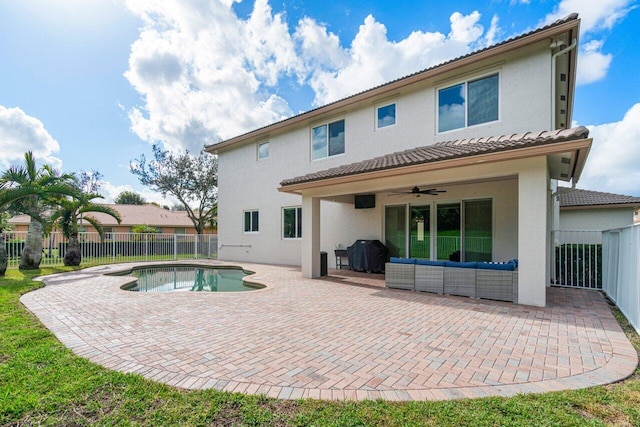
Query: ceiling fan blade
[[416, 191]]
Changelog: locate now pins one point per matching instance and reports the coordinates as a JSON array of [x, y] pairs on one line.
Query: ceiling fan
[[418, 192]]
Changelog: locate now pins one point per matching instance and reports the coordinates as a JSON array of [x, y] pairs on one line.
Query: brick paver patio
[[342, 337]]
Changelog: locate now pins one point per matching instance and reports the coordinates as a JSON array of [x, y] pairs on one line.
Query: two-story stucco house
[[486, 131]]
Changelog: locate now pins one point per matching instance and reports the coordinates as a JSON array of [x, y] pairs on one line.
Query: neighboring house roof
[[448, 150], [133, 215], [577, 198], [566, 23]]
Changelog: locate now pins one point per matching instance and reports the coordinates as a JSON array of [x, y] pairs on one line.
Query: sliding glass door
[[463, 230], [448, 232], [419, 232], [478, 230], [395, 230]]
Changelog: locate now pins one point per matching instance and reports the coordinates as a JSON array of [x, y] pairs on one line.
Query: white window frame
[[260, 144], [296, 222], [433, 226], [251, 231], [382, 105], [327, 123], [466, 107], [108, 232]]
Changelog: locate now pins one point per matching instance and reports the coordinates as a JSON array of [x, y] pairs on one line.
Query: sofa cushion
[[472, 264], [429, 262], [506, 266], [395, 260]]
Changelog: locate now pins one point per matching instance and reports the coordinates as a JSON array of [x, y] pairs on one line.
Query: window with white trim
[[292, 222], [251, 221], [469, 103], [386, 115], [327, 140], [263, 150]]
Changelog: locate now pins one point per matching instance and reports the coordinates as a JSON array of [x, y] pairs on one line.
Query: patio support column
[[310, 237], [533, 183]]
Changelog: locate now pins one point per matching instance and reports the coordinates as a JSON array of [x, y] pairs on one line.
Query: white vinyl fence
[[621, 270], [117, 247], [577, 259]]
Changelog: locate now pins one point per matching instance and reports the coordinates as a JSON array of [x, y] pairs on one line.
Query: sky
[[93, 84]]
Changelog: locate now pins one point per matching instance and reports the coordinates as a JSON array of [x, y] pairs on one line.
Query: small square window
[[251, 221], [386, 115], [263, 150], [292, 223]]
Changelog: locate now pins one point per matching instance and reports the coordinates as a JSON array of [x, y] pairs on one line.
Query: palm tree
[[32, 191], [68, 217]]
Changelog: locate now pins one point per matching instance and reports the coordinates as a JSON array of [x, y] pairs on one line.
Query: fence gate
[[577, 259]]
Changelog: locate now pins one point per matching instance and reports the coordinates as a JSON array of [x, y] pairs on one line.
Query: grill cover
[[367, 255]]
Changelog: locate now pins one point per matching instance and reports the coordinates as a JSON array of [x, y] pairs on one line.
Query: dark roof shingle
[[445, 151], [578, 197]]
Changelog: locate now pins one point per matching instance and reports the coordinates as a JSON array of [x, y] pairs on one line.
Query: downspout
[[572, 46]]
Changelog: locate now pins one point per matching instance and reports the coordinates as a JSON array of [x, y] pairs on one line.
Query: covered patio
[[513, 173]]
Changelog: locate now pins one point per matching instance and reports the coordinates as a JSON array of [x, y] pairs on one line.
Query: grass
[[52, 262], [44, 383]]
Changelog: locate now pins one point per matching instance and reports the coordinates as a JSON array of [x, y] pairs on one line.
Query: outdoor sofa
[[489, 280]]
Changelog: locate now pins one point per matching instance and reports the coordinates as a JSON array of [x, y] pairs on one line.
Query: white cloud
[[110, 192], [373, 59], [592, 64], [493, 32], [594, 15], [205, 74], [613, 162], [20, 133]]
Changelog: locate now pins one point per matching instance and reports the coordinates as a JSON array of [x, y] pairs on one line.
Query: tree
[[68, 216], [4, 225], [31, 191], [191, 180], [144, 229], [89, 182], [129, 198]]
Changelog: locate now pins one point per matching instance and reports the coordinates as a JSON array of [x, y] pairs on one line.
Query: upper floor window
[[263, 150], [292, 223], [327, 140], [386, 115], [469, 103], [251, 221]]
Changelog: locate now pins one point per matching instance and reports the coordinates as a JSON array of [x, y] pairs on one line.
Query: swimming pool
[[188, 279]]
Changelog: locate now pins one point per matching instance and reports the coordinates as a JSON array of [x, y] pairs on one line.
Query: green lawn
[[43, 383]]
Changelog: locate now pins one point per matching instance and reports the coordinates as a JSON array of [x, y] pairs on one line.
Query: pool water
[[189, 278]]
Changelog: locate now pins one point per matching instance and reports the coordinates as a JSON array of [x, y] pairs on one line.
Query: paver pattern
[[341, 337]]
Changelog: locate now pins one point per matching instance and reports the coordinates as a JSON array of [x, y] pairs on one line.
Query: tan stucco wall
[[595, 218], [247, 184]]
